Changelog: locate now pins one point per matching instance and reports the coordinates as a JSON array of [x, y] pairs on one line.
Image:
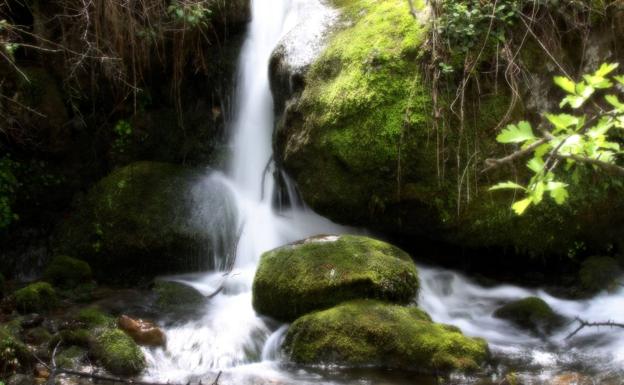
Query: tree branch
[[495, 163], [584, 324], [609, 167]]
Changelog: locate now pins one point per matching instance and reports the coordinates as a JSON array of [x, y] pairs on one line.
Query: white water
[[230, 337]]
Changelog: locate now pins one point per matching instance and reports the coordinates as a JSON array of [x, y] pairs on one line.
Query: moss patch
[[67, 272], [532, 314], [93, 317], [118, 353], [35, 297], [174, 297], [364, 333], [321, 272]]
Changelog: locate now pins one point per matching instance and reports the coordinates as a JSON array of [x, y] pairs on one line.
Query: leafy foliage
[[590, 135], [193, 13]]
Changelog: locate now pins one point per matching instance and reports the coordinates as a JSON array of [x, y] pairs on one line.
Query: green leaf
[[521, 206], [538, 192], [536, 164], [619, 79], [516, 134], [558, 191], [507, 186], [614, 101], [566, 84], [562, 121], [606, 68]]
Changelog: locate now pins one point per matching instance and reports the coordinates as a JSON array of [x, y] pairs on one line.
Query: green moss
[[71, 358], [14, 353], [532, 314], [319, 273], [38, 336], [67, 272], [94, 317], [599, 273], [35, 297], [76, 337], [118, 353], [364, 333]]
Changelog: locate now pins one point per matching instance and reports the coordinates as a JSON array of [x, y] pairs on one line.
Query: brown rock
[[571, 379], [41, 371], [142, 332]]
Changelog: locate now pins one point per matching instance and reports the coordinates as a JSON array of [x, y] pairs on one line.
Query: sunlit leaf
[[521, 206], [558, 191], [606, 68], [566, 84], [516, 134], [536, 164], [562, 121], [507, 186]]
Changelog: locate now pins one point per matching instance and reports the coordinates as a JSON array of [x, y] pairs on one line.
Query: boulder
[[67, 272], [142, 332], [532, 314], [36, 297], [373, 333], [356, 134], [174, 298], [320, 272], [146, 219]]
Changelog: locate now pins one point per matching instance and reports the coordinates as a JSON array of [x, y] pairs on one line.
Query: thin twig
[[584, 324]]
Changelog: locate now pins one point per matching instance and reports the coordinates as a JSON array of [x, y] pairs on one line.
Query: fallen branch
[[584, 324]]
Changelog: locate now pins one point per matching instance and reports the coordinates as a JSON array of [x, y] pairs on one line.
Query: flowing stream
[[231, 338]]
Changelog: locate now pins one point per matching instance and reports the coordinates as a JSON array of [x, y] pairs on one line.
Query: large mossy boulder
[[532, 314], [175, 298], [373, 333], [323, 271], [36, 297], [146, 219], [362, 140]]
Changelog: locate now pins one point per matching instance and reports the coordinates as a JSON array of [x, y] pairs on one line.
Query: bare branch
[[584, 324], [495, 163]]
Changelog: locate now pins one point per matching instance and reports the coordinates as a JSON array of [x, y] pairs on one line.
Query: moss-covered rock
[[532, 314], [364, 149], [599, 273], [118, 353], [93, 317], [176, 298], [71, 357], [36, 297], [323, 271], [67, 272], [365, 333], [143, 220]]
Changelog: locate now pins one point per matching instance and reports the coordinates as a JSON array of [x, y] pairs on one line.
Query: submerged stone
[[373, 333], [532, 314], [323, 271]]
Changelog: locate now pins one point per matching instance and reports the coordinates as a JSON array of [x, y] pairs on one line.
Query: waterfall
[[232, 338]]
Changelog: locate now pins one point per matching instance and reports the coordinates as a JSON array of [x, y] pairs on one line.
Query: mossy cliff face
[[364, 333], [359, 138], [139, 222], [320, 272]]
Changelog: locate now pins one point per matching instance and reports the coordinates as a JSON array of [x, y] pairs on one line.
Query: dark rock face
[[532, 314]]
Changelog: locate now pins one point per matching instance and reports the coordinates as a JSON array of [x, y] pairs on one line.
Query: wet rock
[[572, 379], [71, 358], [35, 297], [373, 333], [323, 271], [67, 272], [142, 332], [32, 320], [20, 379], [41, 371], [532, 314], [174, 298], [599, 273]]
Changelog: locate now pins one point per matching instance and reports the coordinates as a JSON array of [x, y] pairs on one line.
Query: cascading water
[[230, 337]]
